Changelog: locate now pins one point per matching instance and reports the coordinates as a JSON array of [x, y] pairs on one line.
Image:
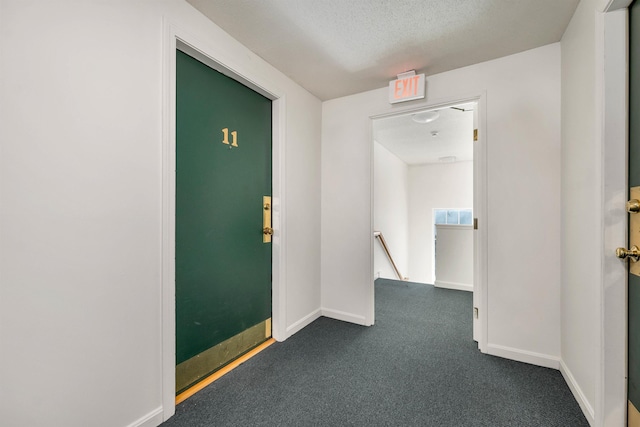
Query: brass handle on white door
[[633, 254]]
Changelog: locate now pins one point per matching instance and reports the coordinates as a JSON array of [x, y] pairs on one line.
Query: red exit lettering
[[406, 87]]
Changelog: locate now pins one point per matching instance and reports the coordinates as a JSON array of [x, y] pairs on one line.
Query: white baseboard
[[152, 419], [586, 407], [346, 317], [453, 285], [300, 324], [530, 357]]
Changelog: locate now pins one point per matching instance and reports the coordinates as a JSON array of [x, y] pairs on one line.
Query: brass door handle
[[633, 206], [267, 231], [633, 254]]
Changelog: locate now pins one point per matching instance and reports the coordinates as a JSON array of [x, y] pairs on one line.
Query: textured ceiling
[[414, 143], [335, 48]]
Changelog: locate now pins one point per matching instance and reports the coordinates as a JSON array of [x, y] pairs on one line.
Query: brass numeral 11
[[225, 137]]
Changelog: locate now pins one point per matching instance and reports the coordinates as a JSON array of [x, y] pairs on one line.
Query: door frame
[[177, 38], [611, 62], [480, 262]]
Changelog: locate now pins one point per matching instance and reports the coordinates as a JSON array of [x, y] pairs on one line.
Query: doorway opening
[[426, 198]]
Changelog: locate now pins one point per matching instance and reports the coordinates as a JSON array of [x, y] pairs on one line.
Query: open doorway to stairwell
[[423, 197]]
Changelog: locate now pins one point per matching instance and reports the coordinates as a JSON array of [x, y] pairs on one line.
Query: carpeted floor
[[417, 366]]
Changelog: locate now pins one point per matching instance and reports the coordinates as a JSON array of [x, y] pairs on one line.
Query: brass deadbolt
[[633, 254], [633, 206]]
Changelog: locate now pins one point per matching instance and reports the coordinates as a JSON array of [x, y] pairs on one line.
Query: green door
[[223, 267], [634, 183]]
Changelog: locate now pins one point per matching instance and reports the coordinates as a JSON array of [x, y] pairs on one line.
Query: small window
[[453, 216], [466, 217]]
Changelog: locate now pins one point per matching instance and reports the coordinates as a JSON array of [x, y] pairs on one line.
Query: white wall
[[81, 206], [594, 164], [454, 257], [523, 140], [581, 270], [432, 186], [390, 211], [403, 202]]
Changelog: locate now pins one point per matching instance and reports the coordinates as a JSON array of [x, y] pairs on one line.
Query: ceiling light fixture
[[425, 117]]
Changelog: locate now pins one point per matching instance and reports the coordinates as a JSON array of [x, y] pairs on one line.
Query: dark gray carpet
[[418, 366]]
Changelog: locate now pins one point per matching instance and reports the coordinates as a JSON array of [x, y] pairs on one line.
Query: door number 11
[[234, 137]]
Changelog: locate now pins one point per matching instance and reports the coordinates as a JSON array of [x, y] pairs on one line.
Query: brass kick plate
[[633, 418], [201, 365], [634, 231], [267, 231]]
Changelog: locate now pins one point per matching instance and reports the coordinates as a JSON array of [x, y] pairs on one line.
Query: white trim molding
[[579, 395], [611, 61], [344, 316], [612, 5], [302, 323], [152, 419], [453, 285], [530, 357], [175, 38]]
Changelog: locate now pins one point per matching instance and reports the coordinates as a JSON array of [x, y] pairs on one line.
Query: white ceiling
[[335, 48], [414, 143]]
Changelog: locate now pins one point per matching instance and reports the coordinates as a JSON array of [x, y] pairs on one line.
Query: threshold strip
[[221, 372]]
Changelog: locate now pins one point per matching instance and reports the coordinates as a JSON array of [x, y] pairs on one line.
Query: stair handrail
[[380, 237]]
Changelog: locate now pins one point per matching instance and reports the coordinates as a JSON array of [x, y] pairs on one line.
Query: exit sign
[[407, 87]]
